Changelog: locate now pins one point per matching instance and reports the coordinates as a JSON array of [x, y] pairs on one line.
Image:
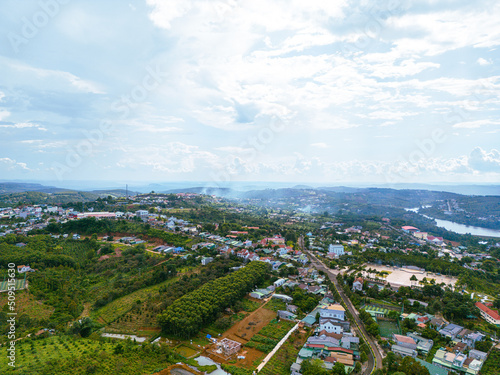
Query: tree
[[338, 369], [413, 278], [357, 368], [83, 327], [410, 366], [313, 367], [496, 303]]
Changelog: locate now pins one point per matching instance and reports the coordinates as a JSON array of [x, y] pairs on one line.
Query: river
[[460, 228]]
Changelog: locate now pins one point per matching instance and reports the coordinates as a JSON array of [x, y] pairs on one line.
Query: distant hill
[[13, 192], [18, 187]]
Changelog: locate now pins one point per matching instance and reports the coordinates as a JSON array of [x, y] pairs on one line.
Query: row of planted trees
[[188, 314]]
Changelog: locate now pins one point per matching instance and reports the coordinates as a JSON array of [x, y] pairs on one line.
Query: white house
[[206, 260], [335, 250], [23, 269], [330, 325], [279, 282], [142, 213], [357, 284], [335, 311]]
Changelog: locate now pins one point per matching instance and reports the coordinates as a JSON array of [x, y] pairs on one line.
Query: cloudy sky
[[228, 90]]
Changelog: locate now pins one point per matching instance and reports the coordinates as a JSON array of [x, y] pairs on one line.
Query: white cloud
[[475, 124], [390, 115], [24, 125], [11, 164], [484, 161], [483, 62], [4, 114], [21, 73]]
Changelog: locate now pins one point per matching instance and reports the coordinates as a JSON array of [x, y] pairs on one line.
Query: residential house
[[23, 269], [279, 282], [451, 331], [206, 260], [404, 341], [477, 354], [438, 323], [286, 315], [333, 311], [424, 345], [358, 284], [404, 351], [472, 338], [449, 361], [335, 251], [330, 325], [283, 297]]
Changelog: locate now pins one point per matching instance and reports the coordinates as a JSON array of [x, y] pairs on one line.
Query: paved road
[[375, 357], [270, 355]]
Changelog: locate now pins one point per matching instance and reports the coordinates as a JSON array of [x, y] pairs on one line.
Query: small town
[[335, 296], [245, 187]]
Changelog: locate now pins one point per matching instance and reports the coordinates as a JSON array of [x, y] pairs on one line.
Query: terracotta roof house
[[488, 314]]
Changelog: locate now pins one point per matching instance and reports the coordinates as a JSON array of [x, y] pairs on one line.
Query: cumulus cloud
[[4, 114], [484, 161], [11, 164], [482, 61]]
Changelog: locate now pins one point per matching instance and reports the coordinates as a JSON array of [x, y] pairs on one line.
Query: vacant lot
[[250, 325]]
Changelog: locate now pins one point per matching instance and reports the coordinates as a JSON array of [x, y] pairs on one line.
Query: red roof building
[[488, 314]]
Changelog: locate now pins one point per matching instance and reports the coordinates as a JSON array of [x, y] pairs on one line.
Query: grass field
[[275, 304], [387, 328], [186, 351]]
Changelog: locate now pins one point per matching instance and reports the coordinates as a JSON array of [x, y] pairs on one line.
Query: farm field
[[269, 336], [250, 325], [280, 363], [33, 354], [20, 284], [27, 304], [121, 306]]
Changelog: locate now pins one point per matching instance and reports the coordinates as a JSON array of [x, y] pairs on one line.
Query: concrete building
[[405, 341], [403, 351], [488, 314], [333, 311], [335, 250], [358, 284]]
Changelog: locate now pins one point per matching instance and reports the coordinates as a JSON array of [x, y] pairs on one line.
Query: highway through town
[[375, 356]]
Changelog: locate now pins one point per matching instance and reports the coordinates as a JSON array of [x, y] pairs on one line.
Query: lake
[[460, 228]]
